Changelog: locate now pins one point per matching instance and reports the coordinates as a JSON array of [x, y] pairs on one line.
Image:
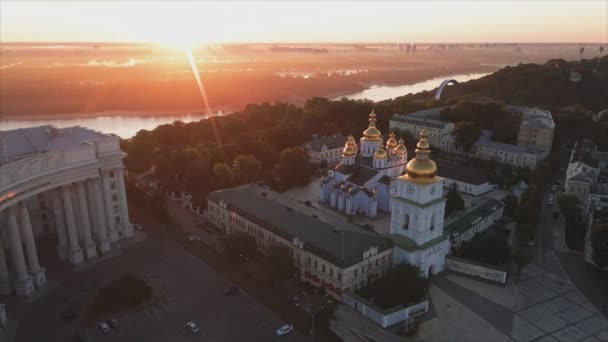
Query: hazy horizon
[[343, 22]]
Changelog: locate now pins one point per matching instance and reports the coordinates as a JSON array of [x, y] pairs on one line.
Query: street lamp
[[312, 308]]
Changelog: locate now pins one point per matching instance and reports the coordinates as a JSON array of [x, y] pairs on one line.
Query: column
[[109, 206], [90, 250], [98, 207], [23, 283], [124, 207], [5, 282], [62, 247], [36, 271], [75, 253]]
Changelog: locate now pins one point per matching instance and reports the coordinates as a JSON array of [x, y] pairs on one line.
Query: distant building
[[465, 179], [473, 221], [66, 184], [327, 255], [535, 136], [324, 150]]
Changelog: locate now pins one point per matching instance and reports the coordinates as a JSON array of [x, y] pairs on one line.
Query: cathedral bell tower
[[372, 138], [418, 204]]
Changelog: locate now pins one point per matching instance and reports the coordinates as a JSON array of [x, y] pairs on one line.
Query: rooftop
[[462, 173], [463, 221], [340, 244], [331, 142], [24, 142], [359, 174]]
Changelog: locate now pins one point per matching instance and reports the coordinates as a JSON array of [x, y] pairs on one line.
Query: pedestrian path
[[549, 309]]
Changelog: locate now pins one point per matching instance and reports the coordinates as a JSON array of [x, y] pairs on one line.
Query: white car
[[192, 327], [284, 330], [104, 327], [554, 187], [138, 227]]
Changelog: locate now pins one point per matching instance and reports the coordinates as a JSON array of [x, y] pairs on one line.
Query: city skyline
[[189, 23]]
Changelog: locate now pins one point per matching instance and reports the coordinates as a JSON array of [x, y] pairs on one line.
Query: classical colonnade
[[89, 215]]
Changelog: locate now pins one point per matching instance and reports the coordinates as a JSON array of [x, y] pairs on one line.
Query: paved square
[[570, 334], [535, 313], [574, 314], [526, 333], [551, 324], [593, 324], [557, 304], [602, 336], [547, 338]]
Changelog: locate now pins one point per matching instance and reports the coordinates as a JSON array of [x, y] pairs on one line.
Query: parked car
[[554, 188], [193, 237], [138, 227], [284, 330], [104, 327], [192, 327], [113, 323], [230, 290]]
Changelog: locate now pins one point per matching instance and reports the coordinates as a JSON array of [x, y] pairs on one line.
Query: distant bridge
[[443, 84]]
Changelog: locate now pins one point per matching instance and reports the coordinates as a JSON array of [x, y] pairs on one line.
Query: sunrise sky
[[192, 22]]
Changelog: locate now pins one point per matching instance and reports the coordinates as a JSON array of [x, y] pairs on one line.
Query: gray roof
[[536, 117], [484, 141], [357, 174], [460, 172], [23, 142], [340, 245], [332, 142], [426, 117], [464, 221]]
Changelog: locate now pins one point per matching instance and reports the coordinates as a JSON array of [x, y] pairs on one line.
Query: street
[[186, 289]]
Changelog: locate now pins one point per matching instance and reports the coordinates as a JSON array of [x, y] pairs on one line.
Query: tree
[[454, 202], [328, 128], [403, 284], [224, 175], [247, 168], [567, 203], [294, 169], [492, 248], [599, 243], [466, 135], [238, 245], [521, 259], [281, 262]]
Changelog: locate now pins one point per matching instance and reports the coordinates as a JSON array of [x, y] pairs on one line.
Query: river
[[128, 126]]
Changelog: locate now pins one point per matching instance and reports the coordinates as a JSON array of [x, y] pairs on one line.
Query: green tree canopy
[[567, 203], [492, 249], [599, 243], [294, 169], [281, 262], [238, 244], [453, 202], [466, 135], [224, 175], [404, 284], [247, 168]]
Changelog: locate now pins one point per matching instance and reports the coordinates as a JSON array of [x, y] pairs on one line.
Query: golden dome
[[351, 142], [421, 167], [400, 149], [391, 142], [380, 153], [348, 151], [372, 133]]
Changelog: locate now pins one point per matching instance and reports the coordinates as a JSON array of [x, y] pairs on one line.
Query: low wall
[[476, 269], [384, 317]]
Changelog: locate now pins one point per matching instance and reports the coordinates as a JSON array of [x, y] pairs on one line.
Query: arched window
[[433, 222], [406, 221]]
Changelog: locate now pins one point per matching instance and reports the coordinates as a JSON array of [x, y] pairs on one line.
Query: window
[[323, 268], [114, 197], [406, 221], [315, 263], [111, 174], [117, 219], [377, 260], [356, 272], [116, 209], [340, 276], [113, 185], [331, 272], [308, 260]]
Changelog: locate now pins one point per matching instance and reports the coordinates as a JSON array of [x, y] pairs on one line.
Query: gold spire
[[400, 149], [391, 142], [350, 148], [380, 153], [372, 133], [421, 169]]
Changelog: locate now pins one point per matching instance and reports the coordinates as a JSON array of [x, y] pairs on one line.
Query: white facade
[[66, 182], [324, 150]]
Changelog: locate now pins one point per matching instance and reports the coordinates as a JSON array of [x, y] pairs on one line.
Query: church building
[[364, 181], [417, 214]]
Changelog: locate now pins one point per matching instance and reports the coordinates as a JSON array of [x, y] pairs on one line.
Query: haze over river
[[128, 126]]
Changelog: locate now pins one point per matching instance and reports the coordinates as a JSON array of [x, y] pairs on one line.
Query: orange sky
[[189, 22]]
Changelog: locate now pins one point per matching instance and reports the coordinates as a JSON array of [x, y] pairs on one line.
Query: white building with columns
[[67, 183]]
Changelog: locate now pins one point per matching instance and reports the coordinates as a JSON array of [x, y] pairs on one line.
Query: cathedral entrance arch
[[431, 271]]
